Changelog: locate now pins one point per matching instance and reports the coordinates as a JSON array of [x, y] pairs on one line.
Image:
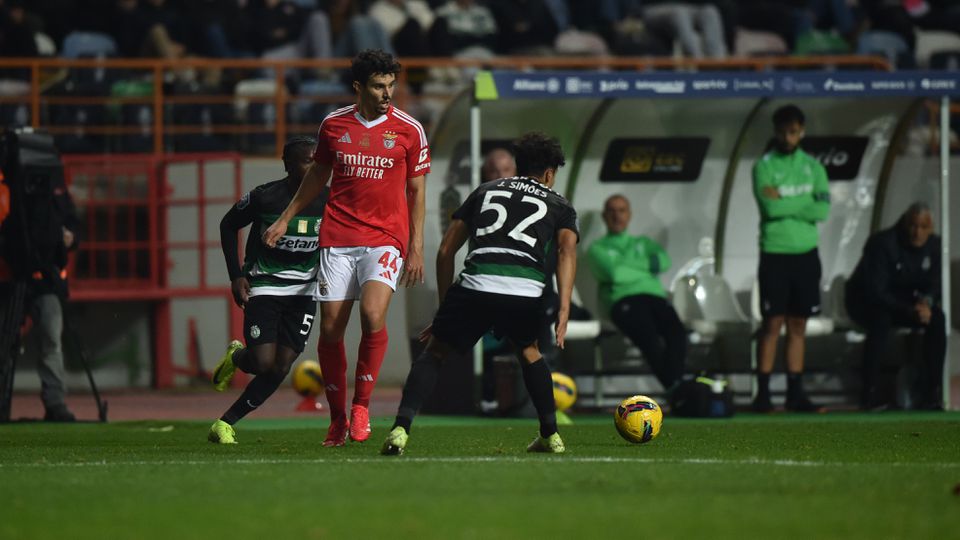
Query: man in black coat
[[37, 235], [897, 285]]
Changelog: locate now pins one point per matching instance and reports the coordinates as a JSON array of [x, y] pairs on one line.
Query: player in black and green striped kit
[[511, 224], [275, 288], [792, 193]]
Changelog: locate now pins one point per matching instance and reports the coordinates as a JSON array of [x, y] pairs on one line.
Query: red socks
[[373, 347], [333, 362]]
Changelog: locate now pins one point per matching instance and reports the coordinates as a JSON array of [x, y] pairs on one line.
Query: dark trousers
[[12, 295], [653, 326], [880, 325]]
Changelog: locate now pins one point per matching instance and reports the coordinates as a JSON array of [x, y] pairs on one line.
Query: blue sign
[[580, 84]]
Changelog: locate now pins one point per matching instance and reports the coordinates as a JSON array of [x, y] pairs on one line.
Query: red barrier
[[124, 202]]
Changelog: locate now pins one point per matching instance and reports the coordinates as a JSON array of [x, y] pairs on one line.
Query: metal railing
[[53, 90]]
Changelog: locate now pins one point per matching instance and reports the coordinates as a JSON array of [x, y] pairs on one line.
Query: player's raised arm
[[566, 272], [417, 202], [456, 235], [310, 188]]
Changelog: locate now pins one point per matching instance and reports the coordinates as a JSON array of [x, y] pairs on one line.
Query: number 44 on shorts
[[389, 263]]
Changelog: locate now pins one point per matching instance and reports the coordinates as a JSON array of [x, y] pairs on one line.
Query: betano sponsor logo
[[298, 243]]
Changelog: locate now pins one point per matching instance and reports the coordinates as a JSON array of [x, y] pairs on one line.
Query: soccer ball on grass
[[638, 419]]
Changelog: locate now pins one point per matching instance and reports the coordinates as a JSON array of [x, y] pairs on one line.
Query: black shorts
[[466, 315], [790, 284], [284, 320]]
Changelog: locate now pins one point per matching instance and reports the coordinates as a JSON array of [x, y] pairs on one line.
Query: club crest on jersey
[[345, 138], [364, 141], [316, 226], [389, 139], [323, 287]]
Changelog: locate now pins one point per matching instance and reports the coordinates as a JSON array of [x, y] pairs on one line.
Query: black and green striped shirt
[[512, 223], [289, 268]]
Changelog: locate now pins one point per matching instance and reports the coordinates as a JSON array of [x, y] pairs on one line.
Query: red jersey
[[372, 161]]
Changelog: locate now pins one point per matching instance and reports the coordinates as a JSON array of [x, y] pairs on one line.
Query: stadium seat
[[932, 41], [888, 45], [257, 113], [133, 114], [756, 43], [720, 312], [14, 114], [945, 60], [204, 115], [88, 44], [311, 111], [79, 117]]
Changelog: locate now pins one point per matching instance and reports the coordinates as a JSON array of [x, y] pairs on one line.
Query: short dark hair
[[535, 152], [370, 62], [788, 114], [295, 144]]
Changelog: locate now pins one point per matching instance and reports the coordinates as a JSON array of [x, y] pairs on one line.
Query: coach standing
[[792, 193]]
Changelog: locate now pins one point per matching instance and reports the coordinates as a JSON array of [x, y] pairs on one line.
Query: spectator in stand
[[284, 30], [527, 27], [626, 268], [902, 17], [897, 283], [58, 17], [352, 30], [698, 28], [619, 23], [16, 32], [780, 17], [167, 33], [464, 28], [220, 28], [407, 23]]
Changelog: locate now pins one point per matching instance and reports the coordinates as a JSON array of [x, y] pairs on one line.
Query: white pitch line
[[485, 459]]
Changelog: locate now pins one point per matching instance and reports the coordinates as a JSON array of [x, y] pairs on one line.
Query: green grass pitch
[[890, 475]]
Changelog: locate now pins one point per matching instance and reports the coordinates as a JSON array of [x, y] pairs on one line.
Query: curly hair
[[370, 62], [535, 152]]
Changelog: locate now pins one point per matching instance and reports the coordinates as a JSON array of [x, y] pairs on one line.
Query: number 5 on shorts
[[307, 323]]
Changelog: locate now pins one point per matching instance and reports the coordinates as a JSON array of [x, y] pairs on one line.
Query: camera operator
[[37, 235]]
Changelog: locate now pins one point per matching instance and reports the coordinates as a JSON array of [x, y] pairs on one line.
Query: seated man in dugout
[[897, 285], [626, 268]]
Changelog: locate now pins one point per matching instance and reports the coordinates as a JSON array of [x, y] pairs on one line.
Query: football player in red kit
[[371, 237]]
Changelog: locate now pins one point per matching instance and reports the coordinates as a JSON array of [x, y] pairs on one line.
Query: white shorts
[[344, 270]]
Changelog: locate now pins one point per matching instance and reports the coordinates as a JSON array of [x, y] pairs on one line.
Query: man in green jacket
[[791, 190], [626, 268]]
